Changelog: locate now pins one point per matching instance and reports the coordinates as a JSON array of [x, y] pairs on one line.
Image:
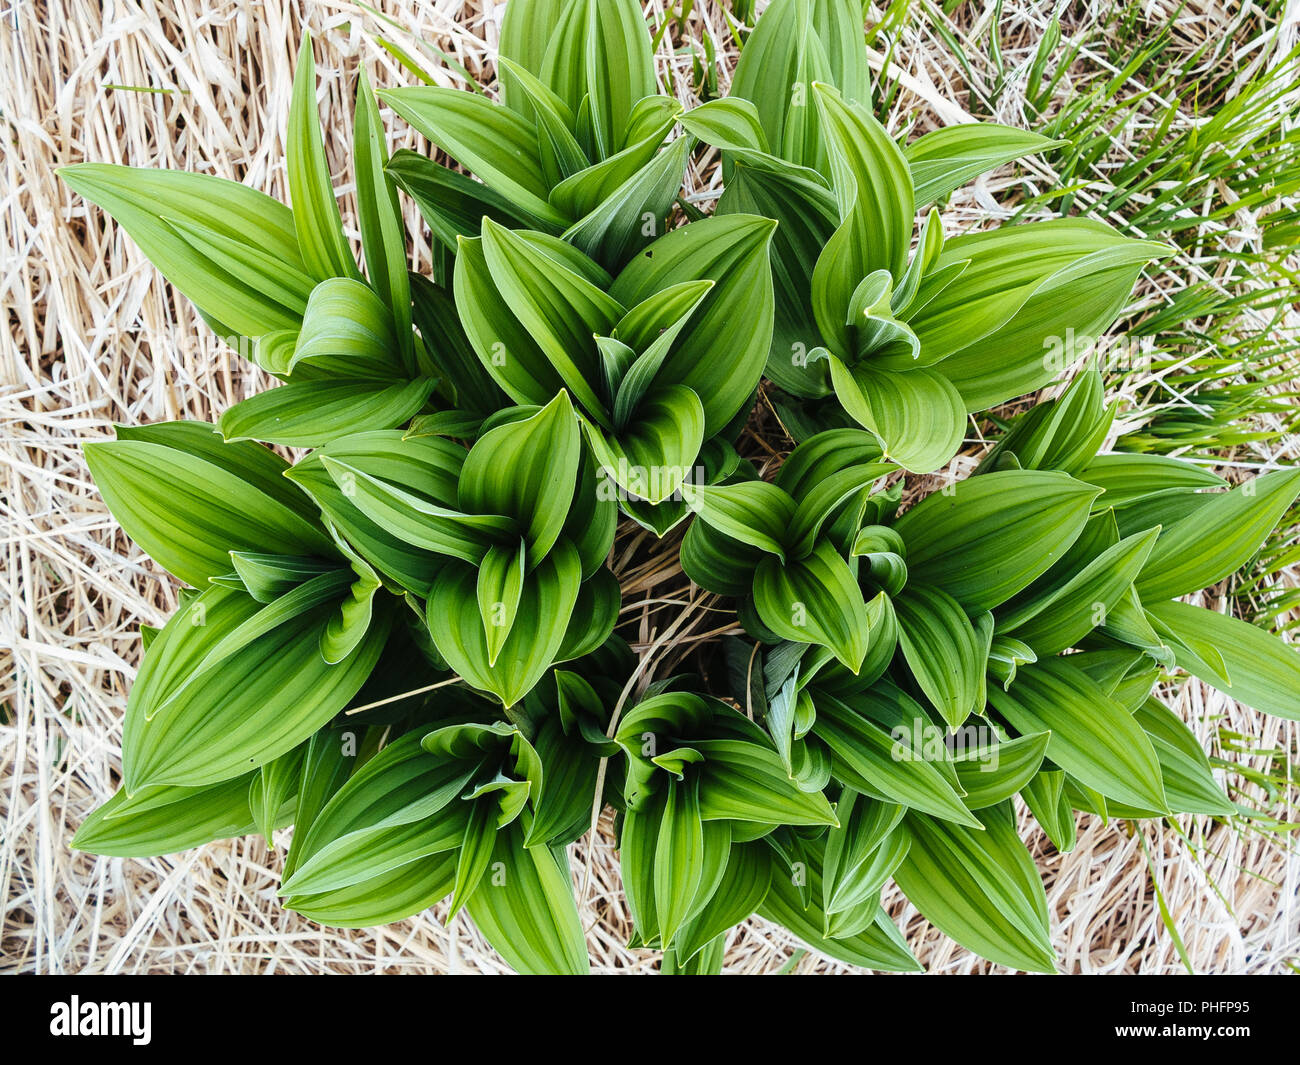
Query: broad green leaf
[[730, 123], [399, 807], [1048, 797], [721, 350], [410, 567], [527, 910], [384, 898], [754, 512], [631, 215], [383, 234], [941, 649], [1093, 736], [814, 600], [872, 760], [866, 826], [347, 331], [545, 606], [618, 66], [874, 189], [1001, 326], [500, 584], [167, 820], [744, 884], [526, 29], [561, 309], [327, 762], [991, 774], [718, 562], [188, 514], [452, 204], [312, 413], [256, 465], [945, 159], [992, 535], [247, 708], [1265, 671], [1218, 538], [980, 888], [655, 453], [274, 786], [917, 415], [569, 768], [414, 518], [476, 851], [241, 304], [878, 946], [1126, 478], [806, 214], [1184, 768], [527, 470], [1052, 622], [679, 856], [745, 781], [580, 195], [497, 144]]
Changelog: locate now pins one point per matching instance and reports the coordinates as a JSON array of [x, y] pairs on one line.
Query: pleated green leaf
[[546, 603], [991, 774], [167, 820], [245, 302], [870, 759], [249, 707], [188, 513], [1058, 619], [945, 159], [980, 888], [754, 512], [316, 217], [814, 600], [745, 781], [1265, 671], [527, 911], [917, 415], [1218, 538], [992, 535], [495, 143], [1093, 736], [721, 350], [941, 649], [312, 413], [527, 470]]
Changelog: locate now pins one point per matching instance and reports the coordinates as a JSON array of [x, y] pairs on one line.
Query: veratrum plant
[[404, 643]]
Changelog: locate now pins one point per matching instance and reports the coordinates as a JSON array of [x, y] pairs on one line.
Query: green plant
[[404, 644]]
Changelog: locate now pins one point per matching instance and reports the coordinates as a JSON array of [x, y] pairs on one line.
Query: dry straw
[[93, 336]]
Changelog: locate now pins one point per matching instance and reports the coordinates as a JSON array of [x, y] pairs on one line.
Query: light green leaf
[[239, 304], [316, 217], [992, 535], [1265, 671], [945, 159], [546, 604], [527, 470], [917, 415], [497, 144], [1218, 538], [980, 888], [814, 600], [528, 912], [188, 514], [941, 649], [1093, 736]]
